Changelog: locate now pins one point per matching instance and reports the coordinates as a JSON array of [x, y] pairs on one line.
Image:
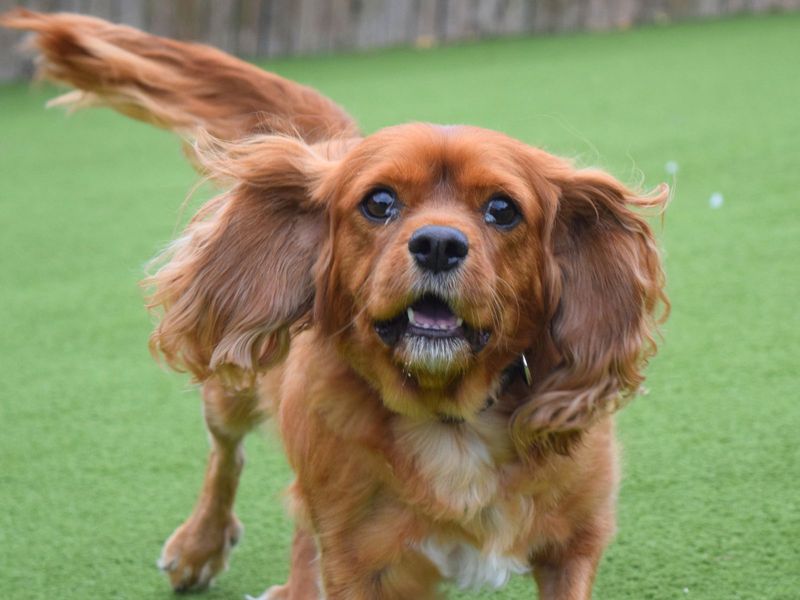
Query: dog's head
[[434, 257]]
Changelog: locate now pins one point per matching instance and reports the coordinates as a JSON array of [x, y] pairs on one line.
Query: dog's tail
[[180, 86]]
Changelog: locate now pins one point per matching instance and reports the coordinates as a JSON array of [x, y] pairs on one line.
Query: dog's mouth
[[430, 318]]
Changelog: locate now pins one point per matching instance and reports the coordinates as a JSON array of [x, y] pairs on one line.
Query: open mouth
[[430, 317]]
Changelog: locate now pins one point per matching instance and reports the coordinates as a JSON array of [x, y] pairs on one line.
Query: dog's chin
[[430, 341]]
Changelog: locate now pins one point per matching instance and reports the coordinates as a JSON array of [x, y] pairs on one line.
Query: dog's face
[[432, 257], [436, 278]]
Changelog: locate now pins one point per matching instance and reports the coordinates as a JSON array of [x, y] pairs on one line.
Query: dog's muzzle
[[430, 318]]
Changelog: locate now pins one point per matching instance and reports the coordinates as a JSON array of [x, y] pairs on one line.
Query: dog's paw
[[197, 551], [276, 592]]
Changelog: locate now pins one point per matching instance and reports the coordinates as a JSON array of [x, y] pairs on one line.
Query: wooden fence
[[267, 28]]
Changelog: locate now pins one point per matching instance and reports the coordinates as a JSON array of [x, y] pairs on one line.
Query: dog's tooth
[[410, 313], [459, 322]]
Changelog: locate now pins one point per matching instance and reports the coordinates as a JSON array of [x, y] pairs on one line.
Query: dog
[[442, 321]]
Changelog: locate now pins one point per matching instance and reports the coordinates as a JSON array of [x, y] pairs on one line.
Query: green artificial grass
[[102, 452]]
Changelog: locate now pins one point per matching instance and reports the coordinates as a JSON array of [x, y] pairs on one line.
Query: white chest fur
[[462, 475], [468, 567], [456, 464]]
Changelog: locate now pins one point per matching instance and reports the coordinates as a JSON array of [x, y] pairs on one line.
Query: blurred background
[[272, 28], [102, 452]]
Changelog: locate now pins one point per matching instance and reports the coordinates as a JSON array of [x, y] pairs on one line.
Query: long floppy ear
[[606, 289], [238, 280]]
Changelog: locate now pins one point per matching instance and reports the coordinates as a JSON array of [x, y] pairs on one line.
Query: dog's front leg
[[404, 580], [567, 578], [304, 577], [199, 548], [376, 566]]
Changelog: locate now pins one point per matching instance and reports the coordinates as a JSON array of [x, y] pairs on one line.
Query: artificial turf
[[102, 452]]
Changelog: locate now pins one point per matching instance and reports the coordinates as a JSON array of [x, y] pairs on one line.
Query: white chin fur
[[433, 354]]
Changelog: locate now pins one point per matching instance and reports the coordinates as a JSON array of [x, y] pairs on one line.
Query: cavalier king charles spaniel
[[440, 319]]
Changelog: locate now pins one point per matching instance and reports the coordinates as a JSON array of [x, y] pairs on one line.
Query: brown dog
[[440, 319]]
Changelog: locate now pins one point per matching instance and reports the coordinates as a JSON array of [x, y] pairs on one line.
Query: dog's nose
[[437, 248]]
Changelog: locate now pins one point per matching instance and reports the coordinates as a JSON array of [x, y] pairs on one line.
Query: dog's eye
[[501, 212], [380, 205]]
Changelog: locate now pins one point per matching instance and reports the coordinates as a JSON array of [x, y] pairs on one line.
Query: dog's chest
[[463, 487], [470, 567]]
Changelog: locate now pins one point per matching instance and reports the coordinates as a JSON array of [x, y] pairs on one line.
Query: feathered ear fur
[[177, 85], [605, 288], [240, 277]]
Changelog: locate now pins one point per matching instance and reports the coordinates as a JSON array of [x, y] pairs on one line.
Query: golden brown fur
[[415, 460]]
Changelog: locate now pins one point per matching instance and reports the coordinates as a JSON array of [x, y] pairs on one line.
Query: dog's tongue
[[432, 313]]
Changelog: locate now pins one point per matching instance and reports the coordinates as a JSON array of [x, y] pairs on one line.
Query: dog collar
[[526, 370]]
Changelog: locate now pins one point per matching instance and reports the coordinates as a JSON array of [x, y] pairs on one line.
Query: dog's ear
[[180, 86], [241, 277], [605, 286]]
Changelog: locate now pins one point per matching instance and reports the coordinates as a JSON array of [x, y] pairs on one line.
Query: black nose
[[437, 248]]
